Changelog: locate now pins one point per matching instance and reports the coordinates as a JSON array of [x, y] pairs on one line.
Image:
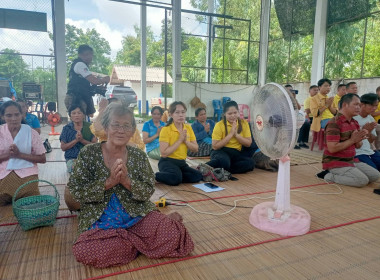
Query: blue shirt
[[69, 134], [32, 120], [115, 216], [151, 129], [200, 132]]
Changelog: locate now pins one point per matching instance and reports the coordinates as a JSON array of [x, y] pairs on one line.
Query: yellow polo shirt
[[170, 134], [317, 102], [377, 117], [337, 98], [220, 132], [306, 105]]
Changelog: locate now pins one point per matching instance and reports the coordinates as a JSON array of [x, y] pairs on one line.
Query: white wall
[[243, 94], [151, 91]]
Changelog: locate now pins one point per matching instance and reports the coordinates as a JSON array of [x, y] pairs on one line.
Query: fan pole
[[282, 201], [53, 132]]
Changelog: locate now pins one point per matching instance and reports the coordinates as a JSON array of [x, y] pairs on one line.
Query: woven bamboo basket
[[35, 211]]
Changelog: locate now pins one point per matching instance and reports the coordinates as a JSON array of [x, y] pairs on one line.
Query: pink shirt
[[6, 140]]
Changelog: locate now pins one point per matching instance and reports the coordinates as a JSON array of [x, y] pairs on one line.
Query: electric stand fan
[[54, 119], [276, 122]]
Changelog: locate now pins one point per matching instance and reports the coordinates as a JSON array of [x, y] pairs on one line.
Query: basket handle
[[33, 181]]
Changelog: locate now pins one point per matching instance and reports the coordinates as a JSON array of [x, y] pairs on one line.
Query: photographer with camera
[[82, 83]]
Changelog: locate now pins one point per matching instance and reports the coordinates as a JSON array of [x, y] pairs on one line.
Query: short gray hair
[[116, 109]]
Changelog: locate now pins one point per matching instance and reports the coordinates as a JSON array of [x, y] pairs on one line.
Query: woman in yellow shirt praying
[[175, 139], [228, 137]]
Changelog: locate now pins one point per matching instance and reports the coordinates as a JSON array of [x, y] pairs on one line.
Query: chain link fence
[[28, 56]]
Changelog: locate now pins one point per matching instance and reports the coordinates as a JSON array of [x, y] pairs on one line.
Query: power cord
[[234, 206]]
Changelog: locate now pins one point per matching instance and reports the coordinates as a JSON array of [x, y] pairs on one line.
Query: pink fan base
[[297, 223]]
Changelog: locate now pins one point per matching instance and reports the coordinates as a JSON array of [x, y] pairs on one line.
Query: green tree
[[75, 37], [46, 78], [13, 67]]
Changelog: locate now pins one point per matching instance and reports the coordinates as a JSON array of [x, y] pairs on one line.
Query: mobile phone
[[211, 185]]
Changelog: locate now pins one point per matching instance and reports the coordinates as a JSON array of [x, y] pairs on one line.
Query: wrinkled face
[[156, 115], [353, 108], [313, 91], [325, 88], [179, 114], [77, 115], [24, 107], [353, 88], [202, 116], [87, 56], [120, 130], [12, 117], [369, 109], [232, 114]]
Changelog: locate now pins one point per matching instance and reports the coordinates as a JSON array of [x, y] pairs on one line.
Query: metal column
[[264, 39], [176, 35], [143, 57], [58, 7], [319, 43]]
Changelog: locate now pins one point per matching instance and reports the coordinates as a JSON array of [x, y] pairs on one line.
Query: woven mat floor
[[347, 252]]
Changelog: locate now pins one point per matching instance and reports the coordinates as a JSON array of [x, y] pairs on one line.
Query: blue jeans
[[324, 123], [371, 160]]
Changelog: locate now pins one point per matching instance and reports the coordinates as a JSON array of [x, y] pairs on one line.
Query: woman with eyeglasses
[[98, 130], [175, 140], [114, 182], [75, 135]]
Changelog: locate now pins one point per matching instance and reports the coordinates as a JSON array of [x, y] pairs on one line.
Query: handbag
[[47, 146]]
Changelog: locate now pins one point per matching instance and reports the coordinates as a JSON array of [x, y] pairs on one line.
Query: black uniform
[[80, 89]]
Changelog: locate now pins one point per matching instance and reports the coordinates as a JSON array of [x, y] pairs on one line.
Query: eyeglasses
[[126, 127]]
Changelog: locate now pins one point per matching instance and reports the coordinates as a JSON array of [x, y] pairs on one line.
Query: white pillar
[[143, 56], [264, 39], [209, 43], [60, 54], [176, 37], [319, 41]]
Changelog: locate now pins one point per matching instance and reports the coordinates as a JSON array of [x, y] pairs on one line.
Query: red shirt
[[339, 129]]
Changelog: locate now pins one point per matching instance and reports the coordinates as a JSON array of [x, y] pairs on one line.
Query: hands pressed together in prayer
[[119, 175]]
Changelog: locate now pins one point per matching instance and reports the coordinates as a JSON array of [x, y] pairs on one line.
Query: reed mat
[[226, 246]]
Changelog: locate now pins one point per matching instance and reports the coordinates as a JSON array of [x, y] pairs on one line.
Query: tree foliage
[[75, 37], [14, 68]]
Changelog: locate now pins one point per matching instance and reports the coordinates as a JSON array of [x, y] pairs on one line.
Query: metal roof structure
[[132, 73]]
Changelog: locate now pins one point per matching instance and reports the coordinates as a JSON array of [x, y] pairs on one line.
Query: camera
[[98, 90]]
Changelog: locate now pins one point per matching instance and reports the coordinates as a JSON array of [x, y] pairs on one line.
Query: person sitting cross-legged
[[203, 129], [175, 139], [365, 154], [228, 138], [114, 182], [343, 136]]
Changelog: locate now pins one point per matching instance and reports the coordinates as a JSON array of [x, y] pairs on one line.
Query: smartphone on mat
[[211, 185]]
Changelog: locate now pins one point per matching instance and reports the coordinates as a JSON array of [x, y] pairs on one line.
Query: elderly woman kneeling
[[113, 183]]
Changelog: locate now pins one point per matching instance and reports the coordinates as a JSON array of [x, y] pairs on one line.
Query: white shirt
[[365, 149], [82, 69]]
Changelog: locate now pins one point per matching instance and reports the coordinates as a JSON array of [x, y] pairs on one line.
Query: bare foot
[[175, 216]]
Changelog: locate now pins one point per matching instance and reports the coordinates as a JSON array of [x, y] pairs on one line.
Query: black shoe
[[297, 147], [303, 145], [322, 174], [376, 191]]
